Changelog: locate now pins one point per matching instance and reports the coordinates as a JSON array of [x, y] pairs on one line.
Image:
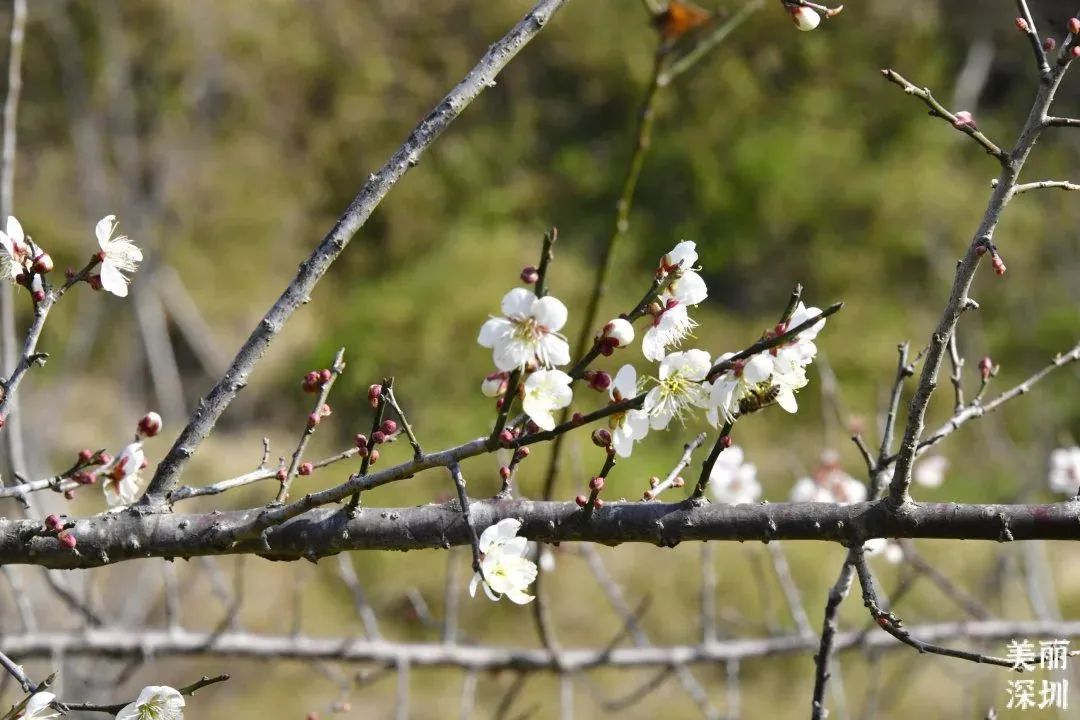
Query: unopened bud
[[999, 265], [20, 278], [601, 438], [325, 375], [532, 427], [1021, 24], [311, 382], [104, 458], [577, 419], [1075, 51], [494, 385], [581, 500], [964, 119], [805, 18], [648, 495], [150, 424], [373, 394], [655, 308], [389, 427], [1074, 26], [281, 475], [654, 481], [67, 539], [521, 454], [378, 437], [600, 381], [95, 282], [360, 440], [83, 478], [504, 472], [597, 483], [325, 410], [69, 494], [980, 249], [529, 275], [506, 437], [374, 457], [619, 331], [53, 523], [1049, 44], [313, 419], [725, 442], [42, 264], [305, 468], [986, 367], [598, 503], [85, 455]]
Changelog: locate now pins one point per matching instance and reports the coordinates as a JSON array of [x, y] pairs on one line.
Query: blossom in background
[[545, 392], [38, 706], [505, 569], [673, 323], [14, 250], [678, 388], [118, 256], [156, 702], [891, 550], [121, 481], [1064, 474], [828, 483], [930, 471], [734, 384], [631, 425], [529, 331], [732, 481], [805, 18]]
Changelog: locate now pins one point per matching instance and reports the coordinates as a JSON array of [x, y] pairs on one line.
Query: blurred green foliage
[[784, 155]]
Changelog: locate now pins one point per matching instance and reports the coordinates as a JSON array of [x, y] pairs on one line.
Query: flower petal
[[518, 303], [550, 312]]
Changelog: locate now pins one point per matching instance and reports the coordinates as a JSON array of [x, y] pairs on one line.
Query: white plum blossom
[[1064, 476], [829, 483], [673, 323], [156, 702], [732, 481], [121, 480], [545, 392], [14, 250], [678, 388], [38, 707], [891, 550], [118, 256], [529, 331], [801, 349], [805, 18], [734, 384], [631, 425], [505, 569], [930, 471]]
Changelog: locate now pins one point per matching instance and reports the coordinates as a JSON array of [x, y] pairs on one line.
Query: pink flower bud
[[360, 440], [1049, 44], [999, 265], [311, 382], [389, 427], [964, 119], [305, 468], [85, 455], [83, 478], [313, 419], [1074, 26], [600, 381], [620, 331], [1021, 24], [986, 367], [521, 453], [1075, 51], [104, 458], [601, 438], [150, 424], [374, 457], [378, 437], [504, 472], [725, 441], [598, 503], [325, 410], [494, 385], [980, 249], [806, 19], [581, 500], [53, 523], [597, 483], [281, 475], [529, 275], [67, 539], [506, 438], [325, 375], [42, 264], [373, 394]]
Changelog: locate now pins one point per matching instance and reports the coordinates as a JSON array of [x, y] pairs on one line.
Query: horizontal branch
[[122, 643], [1045, 185], [114, 537]]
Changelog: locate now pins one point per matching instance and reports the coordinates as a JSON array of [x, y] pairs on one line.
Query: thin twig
[[336, 368], [829, 627], [1034, 40], [376, 422], [417, 452], [673, 476], [117, 707]]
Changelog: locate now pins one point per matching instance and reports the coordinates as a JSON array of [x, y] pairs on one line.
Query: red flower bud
[[67, 539], [85, 454], [389, 427], [53, 523], [581, 500], [38, 295], [504, 472], [150, 424], [986, 367], [600, 381], [281, 475], [42, 264], [313, 419], [1049, 44], [601, 438], [305, 468], [506, 438], [1021, 24], [373, 394], [726, 441], [69, 494], [104, 458], [521, 454], [374, 457], [577, 418], [360, 440], [311, 382], [1075, 51], [597, 483], [325, 375], [378, 437], [1074, 26], [529, 275]]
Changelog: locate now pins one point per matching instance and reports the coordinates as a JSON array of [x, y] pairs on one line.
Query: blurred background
[[227, 137]]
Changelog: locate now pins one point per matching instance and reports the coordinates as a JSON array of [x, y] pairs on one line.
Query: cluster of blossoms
[[1064, 475], [24, 262], [155, 702]]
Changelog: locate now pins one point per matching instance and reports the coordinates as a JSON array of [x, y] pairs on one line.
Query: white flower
[[735, 384], [829, 483], [618, 333], [120, 480], [506, 570], [118, 256], [806, 489], [786, 383], [678, 388], [805, 18], [14, 250], [529, 331], [1064, 474], [687, 289], [156, 702], [37, 707], [545, 392], [799, 350], [891, 550], [930, 471], [631, 425], [732, 481]]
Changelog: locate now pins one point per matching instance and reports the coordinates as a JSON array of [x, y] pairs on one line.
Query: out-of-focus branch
[[215, 402], [829, 628]]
